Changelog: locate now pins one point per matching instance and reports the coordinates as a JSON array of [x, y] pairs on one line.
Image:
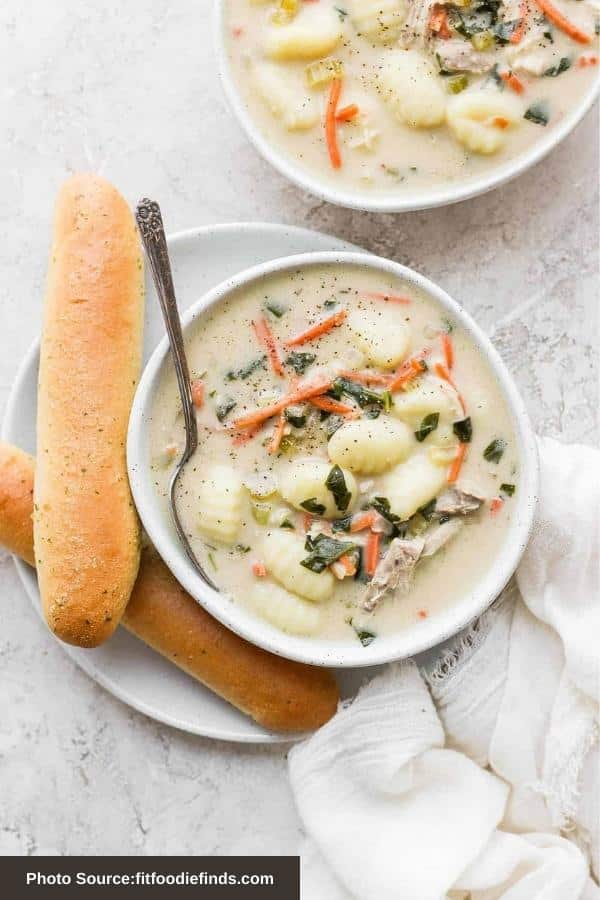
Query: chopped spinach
[[323, 551], [296, 416], [428, 424], [494, 450], [333, 423], [329, 304], [372, 412], [463, 430], [365, 637], [508, 489], [336, 483], [428, 510], [382, 506], [287, 524], [247, 370], [342, 524], [538, 113], [363, 396], [300, 361], [277, 309], [562, 66], [224, 408], [312, 506], [503, 31]]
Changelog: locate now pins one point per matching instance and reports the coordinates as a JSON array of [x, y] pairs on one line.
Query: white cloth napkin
[[478, 777]]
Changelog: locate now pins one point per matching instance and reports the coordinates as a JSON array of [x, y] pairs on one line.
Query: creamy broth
[[257, 502], [431, 94]]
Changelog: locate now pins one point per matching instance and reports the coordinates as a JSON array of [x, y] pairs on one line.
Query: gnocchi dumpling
[[286, 100], [303, 481], [412, 484], [313, 33], [411, 88], [379, 20], [382, 333], [481, 119], [220, 503], [282, 553], [429, 395], [284, 610], [370, 446]]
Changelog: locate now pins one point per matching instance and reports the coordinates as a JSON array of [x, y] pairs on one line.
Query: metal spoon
[[150, 224]]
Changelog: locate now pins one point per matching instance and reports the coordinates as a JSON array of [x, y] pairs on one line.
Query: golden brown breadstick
[[279, 694], [86, 533]]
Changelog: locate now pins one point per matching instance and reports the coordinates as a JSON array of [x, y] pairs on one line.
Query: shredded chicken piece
[[456, 502], [416, 26], [460, 56], [438, 537], [394, 571]]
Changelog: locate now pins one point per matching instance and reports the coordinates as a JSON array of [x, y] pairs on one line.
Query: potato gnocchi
[[317, 452], [393, 96]]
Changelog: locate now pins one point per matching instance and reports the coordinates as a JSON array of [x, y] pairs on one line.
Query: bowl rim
[[240, 619], [445, 196]]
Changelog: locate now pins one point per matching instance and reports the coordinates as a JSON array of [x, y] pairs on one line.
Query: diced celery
[[323, 71], [457, 83], [483, 40]]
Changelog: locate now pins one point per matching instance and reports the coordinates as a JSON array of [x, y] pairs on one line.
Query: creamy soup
[[357, 467], [385, 96]]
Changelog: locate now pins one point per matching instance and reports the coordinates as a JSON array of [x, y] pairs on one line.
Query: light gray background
[[130, 89]]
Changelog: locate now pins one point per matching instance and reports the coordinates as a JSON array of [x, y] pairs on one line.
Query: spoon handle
[[150, 224]]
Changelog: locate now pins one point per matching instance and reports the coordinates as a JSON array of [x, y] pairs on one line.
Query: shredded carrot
[[361, 521], [307, 521], [500, 122], [258, 569], [238, 440], [347, 113], [317, 330], [366, 377], [330, 124], [457, 464], [584, 61], [304, 391], [519, 32], [408, 371], [347, 563], [372, 552], [422, 613], [514, 83], [496, 505], [267, 339], [391, 298], [555, 16], [237, 31], [275, 442], [334, 406], [438, 22], [197, 387], [448, 348], [442, 372]]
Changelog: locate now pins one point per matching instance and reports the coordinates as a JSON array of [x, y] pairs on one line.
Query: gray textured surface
[[130, 90]]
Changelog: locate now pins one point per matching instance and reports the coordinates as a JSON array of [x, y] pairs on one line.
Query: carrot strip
[[519, 32], [391, 298], [366, 377], [584, 61], [555, 16], [438, 22], [448, 348], [197, 387], [307, 521], [513, 82], [334, 406], [347, 113], [372, 552], [267, 339], [302, 392], [457, 463], [275, 442], [361, 521], [496, 505], [442, 372], [238, 440], [408, 371], [330, 124], [258, 569], [317, 330], [347, 564]]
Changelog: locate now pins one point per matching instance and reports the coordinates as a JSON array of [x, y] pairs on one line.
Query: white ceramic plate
[[138, 676]]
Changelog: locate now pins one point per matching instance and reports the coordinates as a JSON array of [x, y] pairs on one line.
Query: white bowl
[[409, 200], [408, 642]]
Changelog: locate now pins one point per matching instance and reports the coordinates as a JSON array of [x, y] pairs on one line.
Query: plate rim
[[27, 576]]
